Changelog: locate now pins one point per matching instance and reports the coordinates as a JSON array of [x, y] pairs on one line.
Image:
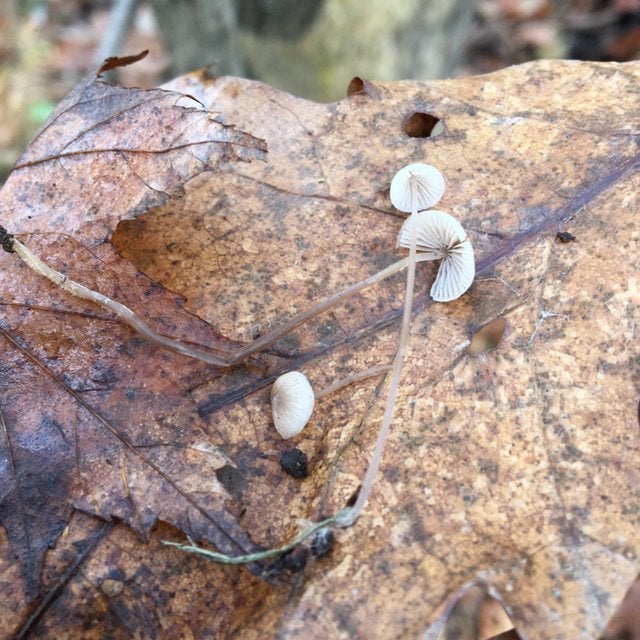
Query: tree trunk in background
[[198, 33], [313, 48], [374, 39]]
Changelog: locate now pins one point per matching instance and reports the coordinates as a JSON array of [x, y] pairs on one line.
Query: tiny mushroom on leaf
[[292, 401], [440, 236], [416, 187]]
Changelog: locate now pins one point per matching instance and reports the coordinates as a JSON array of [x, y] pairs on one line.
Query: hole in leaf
[[478, 611], [625, 623], [359, 86], [487, 337], [355, 86], [422, 125], [353, 497]]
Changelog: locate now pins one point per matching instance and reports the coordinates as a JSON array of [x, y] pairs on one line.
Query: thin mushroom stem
[[349, 516], [305, 316], [123, 312], [222, 558], [370, 372], [129, 317]]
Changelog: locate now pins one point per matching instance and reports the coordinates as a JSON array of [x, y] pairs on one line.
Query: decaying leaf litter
[[69, 427], [473, 467]]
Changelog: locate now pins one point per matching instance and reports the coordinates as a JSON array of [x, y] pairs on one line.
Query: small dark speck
[[294, 562], [565, 236], [294, 462], [297, 559], [353, 497], [322, 543]]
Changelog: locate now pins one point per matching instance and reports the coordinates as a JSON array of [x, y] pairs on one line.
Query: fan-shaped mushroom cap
[[292, 401], [440, 235], [420, 181]]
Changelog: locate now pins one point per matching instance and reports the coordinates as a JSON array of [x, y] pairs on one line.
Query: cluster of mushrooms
[[427, 233]]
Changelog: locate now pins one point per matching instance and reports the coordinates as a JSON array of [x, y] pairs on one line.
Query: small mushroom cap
[[440, 235], [292, 401], [436, 233], [418, 180], [456, 273]]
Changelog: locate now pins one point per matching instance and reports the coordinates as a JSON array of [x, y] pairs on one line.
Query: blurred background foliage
[[311, 48]]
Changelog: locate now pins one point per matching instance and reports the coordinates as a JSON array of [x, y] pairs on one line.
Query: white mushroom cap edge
[[292, 401], [440, 236], [426, 183]]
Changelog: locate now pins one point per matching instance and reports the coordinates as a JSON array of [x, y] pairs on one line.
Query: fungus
[[292, 403], [440, 236], [416, 187]]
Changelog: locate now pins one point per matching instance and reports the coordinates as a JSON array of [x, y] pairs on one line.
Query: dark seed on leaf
[[565, 236], [294, 462], [6, 240], [322, 543]]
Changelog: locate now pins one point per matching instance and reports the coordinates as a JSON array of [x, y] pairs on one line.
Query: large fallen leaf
[[516, 467], [87, 411]]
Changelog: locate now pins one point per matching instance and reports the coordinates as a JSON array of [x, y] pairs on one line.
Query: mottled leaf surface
[[516, 467], [87, 410]]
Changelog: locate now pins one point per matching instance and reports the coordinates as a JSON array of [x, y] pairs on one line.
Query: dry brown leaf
[[87, 412], [516, 467]]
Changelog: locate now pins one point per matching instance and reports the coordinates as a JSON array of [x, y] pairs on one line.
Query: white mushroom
[[440, 236], [292, 401], [416, 187]]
